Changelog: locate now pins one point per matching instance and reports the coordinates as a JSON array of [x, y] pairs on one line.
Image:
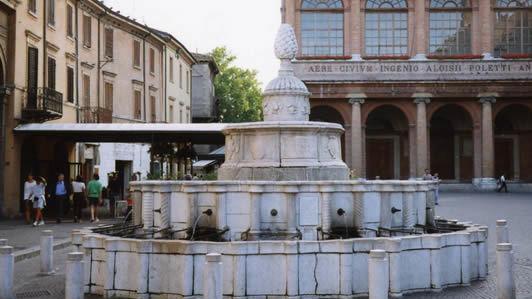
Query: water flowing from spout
[[195, 226]]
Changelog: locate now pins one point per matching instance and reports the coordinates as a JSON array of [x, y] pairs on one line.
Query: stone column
[[357, 162], [505, 272], [421, 100], [7, 264], [326, 211], [213, 277], [379, 275], [501, 230], [487, 181], [47, 252], [74, 276], [420, 37]]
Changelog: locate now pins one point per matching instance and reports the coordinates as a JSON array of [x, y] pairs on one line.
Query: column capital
[[420, 98], [357, 98], [488, 97]]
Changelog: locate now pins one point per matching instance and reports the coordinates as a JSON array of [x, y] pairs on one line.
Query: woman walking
[[28, 202], [39, 200], [78, 186]]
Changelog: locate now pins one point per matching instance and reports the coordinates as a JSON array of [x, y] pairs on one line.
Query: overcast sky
[[246, 27]]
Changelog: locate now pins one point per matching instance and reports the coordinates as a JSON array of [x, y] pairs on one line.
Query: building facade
[[78, 61], [422, 84], [204, 103]]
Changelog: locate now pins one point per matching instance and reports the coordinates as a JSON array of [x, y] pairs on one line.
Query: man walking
[[94, 193], [61, 194], [502, 184]]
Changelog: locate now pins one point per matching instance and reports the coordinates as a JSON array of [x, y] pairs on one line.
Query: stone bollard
[[379, 276], [7, 266], [77, 241], [47, 252], [505, 272], [503, 235], [74, 284], [212, 277], [3, 242]]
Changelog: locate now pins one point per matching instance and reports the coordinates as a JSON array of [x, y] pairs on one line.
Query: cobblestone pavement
[[479, 207]]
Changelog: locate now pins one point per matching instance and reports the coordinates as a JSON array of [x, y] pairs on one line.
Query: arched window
[[513, 27], [450, 27], [386, 30], [322, 28]]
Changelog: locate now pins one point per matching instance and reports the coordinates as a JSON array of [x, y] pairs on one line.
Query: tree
[[237, 89]]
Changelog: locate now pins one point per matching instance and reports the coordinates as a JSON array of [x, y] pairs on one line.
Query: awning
[[203, 163], [128, 133]]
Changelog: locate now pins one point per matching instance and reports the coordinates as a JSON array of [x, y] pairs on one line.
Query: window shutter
[[109, 96], [33, 64], [70, 84], [109, 42], [51, 12], [152, 61], [136, 53], [86, 91], [153, 108], [70, 21], [138, 112], [87, 34], [51, 73]]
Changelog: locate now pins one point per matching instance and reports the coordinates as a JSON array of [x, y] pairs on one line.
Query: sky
[[246, 27]]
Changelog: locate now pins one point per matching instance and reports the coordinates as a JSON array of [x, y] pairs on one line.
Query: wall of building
[[203, 100]]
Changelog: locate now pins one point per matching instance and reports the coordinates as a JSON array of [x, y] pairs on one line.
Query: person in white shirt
[[28, 203], [78, 187], [38, 195]]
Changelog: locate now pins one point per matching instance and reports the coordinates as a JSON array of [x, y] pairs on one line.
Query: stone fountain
[[286, 218]]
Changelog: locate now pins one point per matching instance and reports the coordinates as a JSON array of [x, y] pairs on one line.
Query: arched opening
[[329, 115], [513, 143], [387, 149], [451, 143]]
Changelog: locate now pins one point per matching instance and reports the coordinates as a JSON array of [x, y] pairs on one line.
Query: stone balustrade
[[131, 268], [299, 206]]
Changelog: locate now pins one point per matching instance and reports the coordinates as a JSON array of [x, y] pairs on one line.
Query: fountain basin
[[303, 207], [132, 268]]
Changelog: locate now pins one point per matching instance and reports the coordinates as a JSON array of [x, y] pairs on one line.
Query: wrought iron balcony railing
[[95, 115], [42, 104]]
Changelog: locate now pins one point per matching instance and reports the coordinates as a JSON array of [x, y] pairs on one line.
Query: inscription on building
[[415, 70]]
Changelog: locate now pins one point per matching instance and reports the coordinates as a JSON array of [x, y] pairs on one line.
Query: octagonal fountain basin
[[135, 268]]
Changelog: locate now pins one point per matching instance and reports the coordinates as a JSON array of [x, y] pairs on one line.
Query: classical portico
[[437, 115]]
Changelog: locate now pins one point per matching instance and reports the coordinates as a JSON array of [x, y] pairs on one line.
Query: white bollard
[[212, 277], [505, 273], [379, 276], [47, 252], [77, 241], [503, 235], [3, 242], [7, 266], [74, 284]]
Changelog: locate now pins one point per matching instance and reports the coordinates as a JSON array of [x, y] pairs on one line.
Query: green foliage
[[238, 90]]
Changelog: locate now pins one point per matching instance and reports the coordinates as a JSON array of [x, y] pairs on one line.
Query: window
[[513, 27], [188, 82], [181, 115], [51, 12], [51, 73], [386, 32], [450, 27], [136, 53], [86, 90], [33, 71], [153, 109], [322, 28], [171, 111], [152, 61], [171, 69], [181, 76], [70, 84], [108, 96], [87, 31], [138, 110], [32, 6], [70, 21], [109, 42], [188, 115]]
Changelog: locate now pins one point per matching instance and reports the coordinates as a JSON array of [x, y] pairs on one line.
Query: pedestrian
[[427, 176], [94, 193], [502, 184], [114, 192], [436, 178], [80, 202], [61, 192], [38, 195], [28, 202]]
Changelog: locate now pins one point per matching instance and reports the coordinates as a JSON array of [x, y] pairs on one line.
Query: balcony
[[95, 115], [42, 104]]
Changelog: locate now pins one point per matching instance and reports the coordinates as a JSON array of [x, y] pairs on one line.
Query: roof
[[128, 133], [203, 163], [168, 36], [204, 58]]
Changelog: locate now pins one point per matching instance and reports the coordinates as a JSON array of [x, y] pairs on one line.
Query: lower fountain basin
[[133, 268]]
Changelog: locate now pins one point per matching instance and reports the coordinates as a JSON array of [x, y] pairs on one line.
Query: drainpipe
[[144, 70], [165, 83], [76, 38], [45, 47]]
